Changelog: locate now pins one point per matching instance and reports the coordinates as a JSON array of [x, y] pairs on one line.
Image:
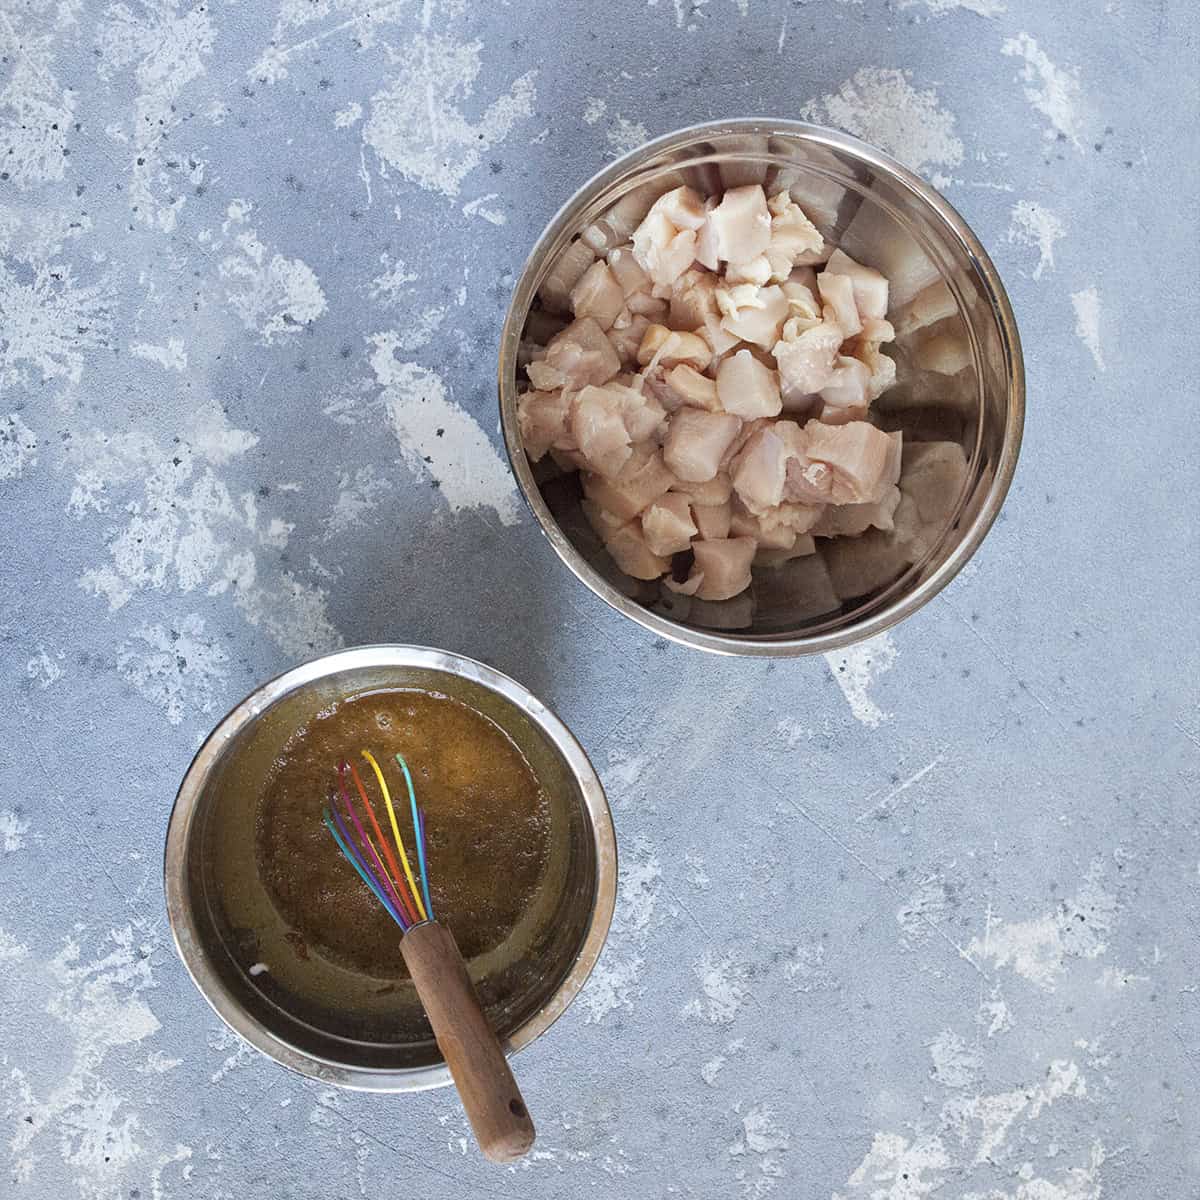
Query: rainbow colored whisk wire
[[392, 882]]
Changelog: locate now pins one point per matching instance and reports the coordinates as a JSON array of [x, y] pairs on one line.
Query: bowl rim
[[181, 917], [1010, 340]]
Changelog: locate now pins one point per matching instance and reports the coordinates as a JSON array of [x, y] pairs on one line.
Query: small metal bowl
[[960, 379], [335, 1024]]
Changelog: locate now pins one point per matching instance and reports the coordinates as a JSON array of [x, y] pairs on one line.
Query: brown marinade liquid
[[486, 827]]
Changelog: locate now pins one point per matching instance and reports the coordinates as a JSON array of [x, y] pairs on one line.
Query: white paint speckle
[[359, 494], [1087, 322], [178, 669], [417, 126], [18, 445], [350, 115], [51, 324], [882, 106], [438, 436], [171, 357], [761, 1133], [482, 207], [168, 50], [1052, 91], [856, 668], [939, 8], [724, 988], [955, 1064], [1033, 224], [593, 110], [615, 982], [918, 917], [272, 295], [13, 829], [625, 135], [10, 949], [1039, 949], [43, 669]]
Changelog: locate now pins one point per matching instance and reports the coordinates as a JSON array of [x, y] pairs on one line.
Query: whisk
[[481, 1073]]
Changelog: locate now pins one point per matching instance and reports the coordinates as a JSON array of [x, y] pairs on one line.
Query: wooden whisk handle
[[485, 1082]]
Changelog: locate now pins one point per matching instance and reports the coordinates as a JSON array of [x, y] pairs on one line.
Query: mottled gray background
[[919, 920]]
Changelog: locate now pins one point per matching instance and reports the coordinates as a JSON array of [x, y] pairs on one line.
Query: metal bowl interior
[[335, 1024], [960, 380]]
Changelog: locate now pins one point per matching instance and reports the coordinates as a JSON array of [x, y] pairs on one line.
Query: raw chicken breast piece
[[667, 524], [758, 271], [804, 545], [837, 298], [870, 287], [696, 442], [639, 482], [858, 455], [579, 355], [849, 520], [631, 552], [627, 271], [706, 239], [794, 238], [601, 520], [747, 388], [555, 292], [682, 385], [806, 362], [708, 491], [626, 338], [760, 318], [667, 347], [724, 564], [693, 299], [543, 421], [598, 429], [742, 224], [598, 295], [745, 524], [759, 471], [711, 520], [663, 251], [847, 395]]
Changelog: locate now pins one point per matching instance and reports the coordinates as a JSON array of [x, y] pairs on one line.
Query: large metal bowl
[[960, 379], [332, 1023]]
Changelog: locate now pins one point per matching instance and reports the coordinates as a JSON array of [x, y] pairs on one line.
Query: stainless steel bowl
[[335, 1024], [960, 379]]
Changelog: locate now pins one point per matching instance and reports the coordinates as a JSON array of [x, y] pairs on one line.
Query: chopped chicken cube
[[846, 396], [601, 520], [693, 299], [757, 271], [742, 224], [874, 234], [627, 338], [706, 239], [668, 525], [719, 339], [745, 524], [644, 416], [598, 429], [759, 471], [857, 453], [881, 366], [627, 271], [579, 355], [806, 362], [682, 385], [643, 304], [747, 388], [756, 315], [555, 292], [696, 442], [794, 238], [665, 347], [837, 297], [663, 252], [870, 288], [849, 520], [598, 295], [542, 418], [803, 545], [632, 553], [682, 206], [706, 491], [639, 482], [712, 520], [724, 564]]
